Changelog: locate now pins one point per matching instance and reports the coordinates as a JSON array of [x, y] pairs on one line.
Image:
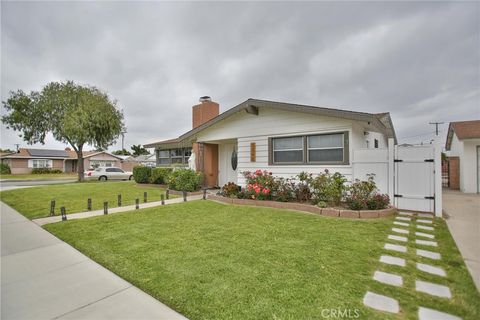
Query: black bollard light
[[89, 204], [145, 197], [64, 213], [137, 203], [105, 207], [119, 200], [167, 194], [163, 199], [52, 207], [204, 194], [184, 195]]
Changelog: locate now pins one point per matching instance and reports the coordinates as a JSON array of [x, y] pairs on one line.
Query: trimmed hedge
[[5, 168], [185, 180], [45, 171], [142, 174], [160, 175]]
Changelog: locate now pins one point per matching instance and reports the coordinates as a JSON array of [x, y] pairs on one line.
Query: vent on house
[[205, 99]]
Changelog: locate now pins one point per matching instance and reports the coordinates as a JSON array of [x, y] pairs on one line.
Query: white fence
[[410, 175]]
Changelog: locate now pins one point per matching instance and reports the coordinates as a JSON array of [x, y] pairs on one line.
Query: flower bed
[[326, 194], [331, 212]]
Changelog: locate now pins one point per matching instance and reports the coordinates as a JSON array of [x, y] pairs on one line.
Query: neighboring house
[[283, 138], [27, 159], [463, 146], [148, 160]]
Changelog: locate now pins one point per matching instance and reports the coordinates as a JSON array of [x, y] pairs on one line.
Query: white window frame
[[326, 148], [40, 163]]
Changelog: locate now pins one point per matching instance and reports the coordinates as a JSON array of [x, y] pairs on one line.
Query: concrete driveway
[[42, 277], [463, 220]]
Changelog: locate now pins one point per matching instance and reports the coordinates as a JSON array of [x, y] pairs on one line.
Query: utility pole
[[123, 138], [436, 126]]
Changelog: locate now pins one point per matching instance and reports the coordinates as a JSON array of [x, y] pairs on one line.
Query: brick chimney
[[204, 111]]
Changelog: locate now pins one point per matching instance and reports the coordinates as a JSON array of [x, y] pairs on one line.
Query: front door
[[227, 158]]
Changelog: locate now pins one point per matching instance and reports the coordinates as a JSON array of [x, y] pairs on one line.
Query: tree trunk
[[81, 174]]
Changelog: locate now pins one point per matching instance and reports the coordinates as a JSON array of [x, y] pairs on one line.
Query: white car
[[108, 173]]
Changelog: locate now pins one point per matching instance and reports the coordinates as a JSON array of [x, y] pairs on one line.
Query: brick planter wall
[[330, 212]]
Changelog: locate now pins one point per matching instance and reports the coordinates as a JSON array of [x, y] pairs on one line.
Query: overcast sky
[[419, 61]]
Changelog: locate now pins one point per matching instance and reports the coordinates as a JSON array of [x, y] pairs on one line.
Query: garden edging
[[331, 212]]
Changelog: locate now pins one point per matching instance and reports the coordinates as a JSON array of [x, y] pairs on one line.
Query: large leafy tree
[[138, 150], [72, 113]]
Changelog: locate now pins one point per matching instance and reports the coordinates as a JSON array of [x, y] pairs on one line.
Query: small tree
[[74, 114], [139, 150]]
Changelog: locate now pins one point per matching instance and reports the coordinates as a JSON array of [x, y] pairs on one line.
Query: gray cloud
[[420, 61]]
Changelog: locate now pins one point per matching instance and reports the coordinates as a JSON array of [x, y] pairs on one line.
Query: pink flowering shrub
[[259, 184]]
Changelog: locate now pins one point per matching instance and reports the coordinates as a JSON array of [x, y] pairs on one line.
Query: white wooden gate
[[415, 178], [410, 175]]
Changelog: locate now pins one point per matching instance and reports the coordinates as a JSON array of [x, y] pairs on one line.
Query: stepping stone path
[[388, 304], [426, 242], [397, 238], [393, 261], [426, 235], [429, 254], [395, 247], [398, 230], [433, 289], [424, 221], [429, 314], [388, 278], [431, 269], [382, 303], [425, 227]]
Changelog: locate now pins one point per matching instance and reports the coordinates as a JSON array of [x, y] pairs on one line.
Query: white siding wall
[[466, 150], [247, 128], [469, 174]]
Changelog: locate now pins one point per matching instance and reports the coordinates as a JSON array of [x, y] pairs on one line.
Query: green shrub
[[231, 190], [160, 175], [364, 195], [5, 168], [45, 171], [329, 188], [142, 174], [185, 180]]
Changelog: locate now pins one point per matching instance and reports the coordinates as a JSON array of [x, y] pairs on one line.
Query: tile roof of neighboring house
[[463, 130], [27, 153], [38, 153], [381, 121]]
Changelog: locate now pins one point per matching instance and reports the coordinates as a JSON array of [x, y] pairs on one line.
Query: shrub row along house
[[25, 160], [282, 138]]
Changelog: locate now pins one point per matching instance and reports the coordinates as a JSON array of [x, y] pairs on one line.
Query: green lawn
[[53, 176], [35, 202], [215, 261]]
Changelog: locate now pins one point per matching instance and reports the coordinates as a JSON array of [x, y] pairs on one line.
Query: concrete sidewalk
[[463, 211], [44, 278], [88, 214]]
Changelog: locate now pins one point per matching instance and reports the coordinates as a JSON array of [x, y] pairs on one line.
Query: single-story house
[[66, 160], [463, 146], [147, 160], [283, 138]]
